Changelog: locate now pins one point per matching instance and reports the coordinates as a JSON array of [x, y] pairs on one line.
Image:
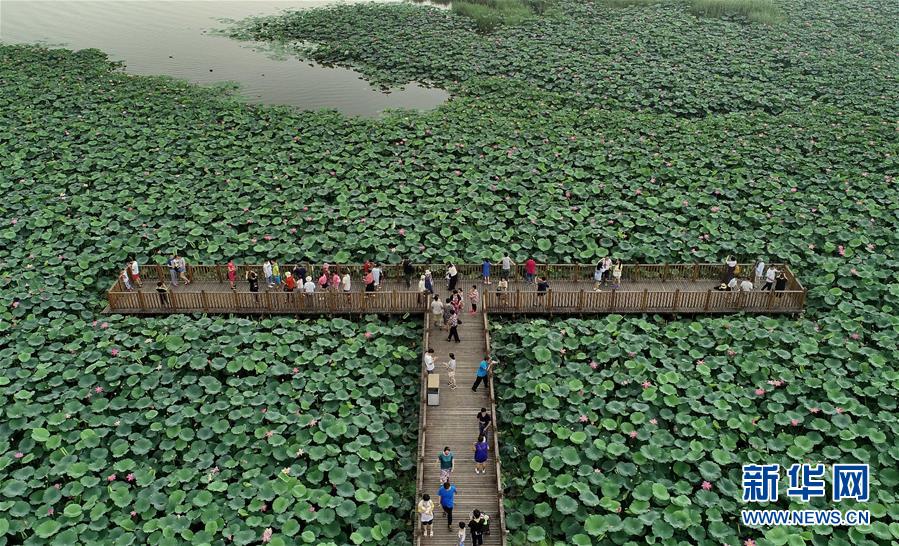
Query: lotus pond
[[644, 132]]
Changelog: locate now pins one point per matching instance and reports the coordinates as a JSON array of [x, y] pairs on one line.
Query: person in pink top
[[474, 297], [335, 280], [232, 273], [530, 270], [324, 280]]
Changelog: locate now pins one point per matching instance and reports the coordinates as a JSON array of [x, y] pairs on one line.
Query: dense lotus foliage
[[642, 132], [181, 431], [633, 431]]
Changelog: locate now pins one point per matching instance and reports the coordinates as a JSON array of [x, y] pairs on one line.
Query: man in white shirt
[[436, 311], [770, 275], [759, 271], [134, 270], [376, 273], [507, 266], [746, 286]]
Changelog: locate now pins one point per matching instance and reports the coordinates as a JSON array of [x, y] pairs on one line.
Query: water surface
[[174, 38]]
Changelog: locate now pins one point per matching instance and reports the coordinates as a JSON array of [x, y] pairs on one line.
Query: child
[[616, 274], [447, 311], [451, 370], [461, 533], [376, 273], [134, 270], [276, 273], [475, 298], [597, 277], [485, 270], [426, 509], [163, 292], [232, 273], [126, 281]]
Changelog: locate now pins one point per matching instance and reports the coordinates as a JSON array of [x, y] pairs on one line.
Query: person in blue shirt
[[485, 270], [447, 495], [482, 374]]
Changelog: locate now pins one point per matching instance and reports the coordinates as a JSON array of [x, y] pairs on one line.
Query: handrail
[[496, 459], [422, 432]]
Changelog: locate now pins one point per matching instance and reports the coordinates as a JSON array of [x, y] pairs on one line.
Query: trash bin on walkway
[[434, 389]]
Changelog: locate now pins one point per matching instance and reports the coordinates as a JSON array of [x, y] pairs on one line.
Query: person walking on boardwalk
[[478, 524], [267, 273], [542, 288], [530, 270], [369, 281], [485, 270], [780, 283], [447, 495], [253, 281], [324, 281], [597, 277], [232, 274], [484, 420], [506, 267], [447, 464], [335, 281], [480, 455], [746, 285], [502, 289], [426, 511], [299, 273], [730, 268], [453, 327], [452, 276], [450, 366], [290, 284], [436, 311], [461, 534], [429, 282], [125, 277], [616, 275], [606, 269], [309, 286], [759, 271], [173, 269], [346, 282], [429, 362], [408, 272], [481, 376], [134, 271], [770, 277], [163, 292], [182, 270], [376, 273], [276, 273], [447, 312], [474, 297]]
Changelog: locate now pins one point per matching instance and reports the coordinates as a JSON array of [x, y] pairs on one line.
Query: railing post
[[580, 300], [770, 298], [643, 303], [518, 299], [549, 300], [140, 300], [173, 300], [636, 272], [236, 299], [268, 301], [159, 273], [676, 300], [614, 297], [695, 272], [205, 301], [665, 273], [218, 273], [190, 273], [708, 299], [393, 305]]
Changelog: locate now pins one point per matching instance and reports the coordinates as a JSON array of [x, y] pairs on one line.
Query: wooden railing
[[219, 299], [496, 459], [422, 433]]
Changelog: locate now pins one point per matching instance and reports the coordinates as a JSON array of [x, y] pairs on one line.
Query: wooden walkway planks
[[644, 289], [454, 423]]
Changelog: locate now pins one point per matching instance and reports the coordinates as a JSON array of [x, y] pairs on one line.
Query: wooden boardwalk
[[454, 423], [644, 288], [687, 288]]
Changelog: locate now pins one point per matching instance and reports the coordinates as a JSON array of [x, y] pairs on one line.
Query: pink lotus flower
[[854, 271], [631, 354], [111, 478], [114, 351], [19, 455], [814, 410], [841, 250], [267, 237], [748, 542], [870, 246], [639, 191], [794, 422], [98, 389], [50, 511], [457, 172], [653, 421], [57, 486], [133, 513], [333, 173], [269, 433], [402, 232], [685, 203], [14, 221], [104, 325], [700, 362], [633, 434], [312, 509], [296, 370], [646, 384], [267, 534], [15, 304], [855, 336], [839, 410], [731, 353], [368, 335], [715, 209], [130, 477], [584, 419], [707, 485], [760, 392], [794, 190], [264, 507], [593, 364]]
